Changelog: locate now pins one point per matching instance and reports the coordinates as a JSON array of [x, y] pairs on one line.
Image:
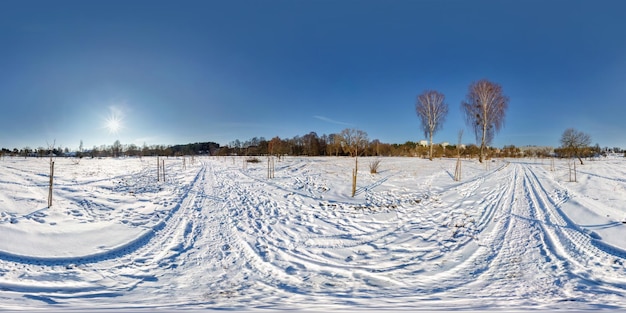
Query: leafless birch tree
[[431, 110], [484, 108]]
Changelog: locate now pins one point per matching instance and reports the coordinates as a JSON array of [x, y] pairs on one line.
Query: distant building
[[423, 143]]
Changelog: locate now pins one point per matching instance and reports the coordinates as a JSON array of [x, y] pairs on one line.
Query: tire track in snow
[[122, 270], [467, 262], [525, 264], [170, 238], [585, 262], [567, 228], [242, 270], [515, 250], [264, 229], [204, 264], [101, 275], [337, 266]]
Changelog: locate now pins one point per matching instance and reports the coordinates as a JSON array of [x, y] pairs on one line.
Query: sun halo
[[113, 124]]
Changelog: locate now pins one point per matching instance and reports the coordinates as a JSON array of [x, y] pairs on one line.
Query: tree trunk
[[482, 143], [482, 146], [430, 156]]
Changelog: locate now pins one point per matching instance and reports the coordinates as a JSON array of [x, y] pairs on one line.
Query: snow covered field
[[218, 234]]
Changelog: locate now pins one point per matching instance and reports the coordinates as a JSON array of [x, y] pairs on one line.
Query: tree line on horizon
[[308, 145]]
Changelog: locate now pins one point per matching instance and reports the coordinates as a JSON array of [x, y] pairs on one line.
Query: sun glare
[[113, 123]]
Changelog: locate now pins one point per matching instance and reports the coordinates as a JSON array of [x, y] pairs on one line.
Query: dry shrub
[[374, 166]]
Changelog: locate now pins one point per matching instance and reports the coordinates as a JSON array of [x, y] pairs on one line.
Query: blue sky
[[187, 71]]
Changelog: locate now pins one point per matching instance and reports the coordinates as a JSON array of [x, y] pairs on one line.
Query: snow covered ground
[[218, 234]]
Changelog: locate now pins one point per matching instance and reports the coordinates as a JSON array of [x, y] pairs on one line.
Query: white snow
[[217, 234]]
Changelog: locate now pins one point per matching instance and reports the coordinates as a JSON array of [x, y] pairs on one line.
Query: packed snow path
[[218, 234]]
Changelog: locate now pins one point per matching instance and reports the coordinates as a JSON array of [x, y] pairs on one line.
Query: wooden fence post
[[51, 183]]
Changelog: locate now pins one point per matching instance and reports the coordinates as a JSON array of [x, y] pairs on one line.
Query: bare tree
[[484, 108], [116, 149], [272, 146], [432, 112], [574, 142], [335, 144], [354, 141], [311, 144]]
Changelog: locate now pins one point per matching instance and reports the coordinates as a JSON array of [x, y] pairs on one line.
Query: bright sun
[[113, 123]]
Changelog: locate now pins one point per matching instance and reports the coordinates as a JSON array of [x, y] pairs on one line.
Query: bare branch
[[484, 108], [431, 110], [354, 141], [574, 142]]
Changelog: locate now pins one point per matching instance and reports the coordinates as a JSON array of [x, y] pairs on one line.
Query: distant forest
[[307, 145]]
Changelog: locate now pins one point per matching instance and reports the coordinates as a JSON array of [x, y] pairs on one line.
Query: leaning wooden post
[[51, 182], [354, 174], [457, 170], [270, 167], [575, 180], [158, 169]]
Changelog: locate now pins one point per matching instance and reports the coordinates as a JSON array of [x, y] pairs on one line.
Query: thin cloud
[[326, 119]]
